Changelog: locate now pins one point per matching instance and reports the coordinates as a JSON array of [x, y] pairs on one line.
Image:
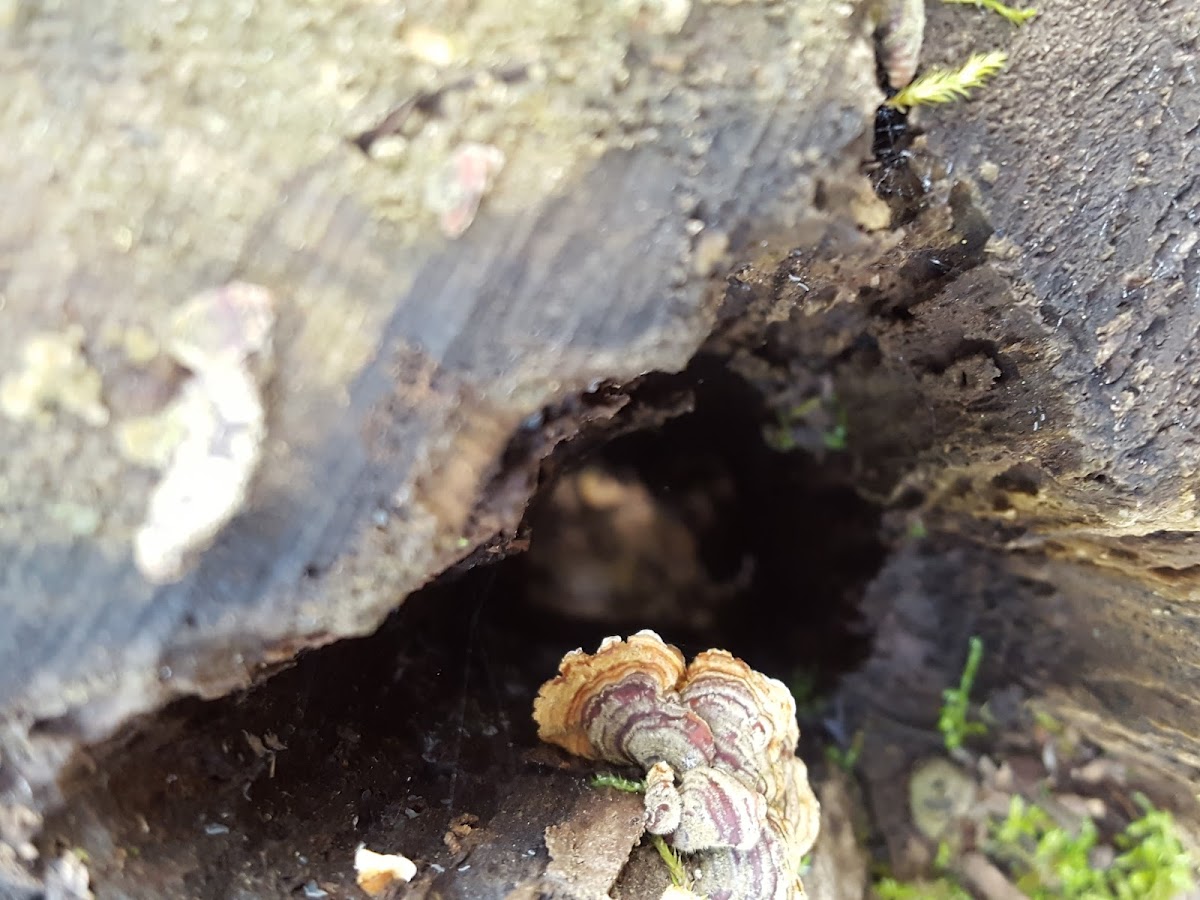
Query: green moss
[[917, 530], [1049, 862], [822, 420], [1154, 864], [949, 85], [940, 889], [846, 759], [675, 867], [803, 685], [605, 779], [1013, 14]]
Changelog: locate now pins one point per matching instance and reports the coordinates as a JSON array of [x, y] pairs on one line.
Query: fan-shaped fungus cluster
[[717, 740]]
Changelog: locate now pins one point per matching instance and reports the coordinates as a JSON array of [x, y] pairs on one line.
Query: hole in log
[[696, 527]]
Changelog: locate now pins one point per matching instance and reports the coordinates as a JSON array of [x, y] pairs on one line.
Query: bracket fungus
[[718, 742]]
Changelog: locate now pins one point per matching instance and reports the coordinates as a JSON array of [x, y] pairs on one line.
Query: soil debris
[[458, 830]]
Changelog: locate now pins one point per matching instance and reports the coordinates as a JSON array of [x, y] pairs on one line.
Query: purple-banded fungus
[[900, 34], [752, 717], [763, 872], [717, 811], [718, 742], [664, 806], [622, 705]]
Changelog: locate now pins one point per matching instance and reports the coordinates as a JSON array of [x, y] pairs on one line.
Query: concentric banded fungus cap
[[664, 806], [760, 873], [799, 815], [621, 704], [717, 811], [718, 741], [752, 717]]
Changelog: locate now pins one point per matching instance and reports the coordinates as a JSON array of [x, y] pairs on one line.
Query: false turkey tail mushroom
[[717, 740]]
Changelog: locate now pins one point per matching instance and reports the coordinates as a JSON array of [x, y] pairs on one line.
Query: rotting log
[[1038, 402], [1079, 468], [156, 150]]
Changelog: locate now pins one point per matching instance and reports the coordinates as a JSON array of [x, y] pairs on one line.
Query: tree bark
[[159, 150]]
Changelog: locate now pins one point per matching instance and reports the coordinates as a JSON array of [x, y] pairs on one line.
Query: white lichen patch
[[55, 375], [67, 878], [140, 345], [79, 519], [209, 440]]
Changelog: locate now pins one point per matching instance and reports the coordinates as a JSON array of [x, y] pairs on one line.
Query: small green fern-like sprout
[[675, 867], [953, 722], [946, 86], [1014, 15], [608, 780], [847, 759], [939, 889]]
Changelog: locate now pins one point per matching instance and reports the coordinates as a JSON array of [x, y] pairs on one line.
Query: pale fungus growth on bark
[[376, 872], [718, 742], [664, 805], [210, 438], [55, 375]]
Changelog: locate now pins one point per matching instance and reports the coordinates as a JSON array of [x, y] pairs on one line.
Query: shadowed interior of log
[[390, 738]]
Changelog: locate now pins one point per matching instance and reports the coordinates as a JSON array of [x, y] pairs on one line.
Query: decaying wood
[[1034, 391], [157, 151], [1085, 157]]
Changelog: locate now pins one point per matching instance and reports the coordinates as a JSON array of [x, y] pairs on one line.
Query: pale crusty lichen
[[140, 345], [55, 376], [210, 438], [150, 440]]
